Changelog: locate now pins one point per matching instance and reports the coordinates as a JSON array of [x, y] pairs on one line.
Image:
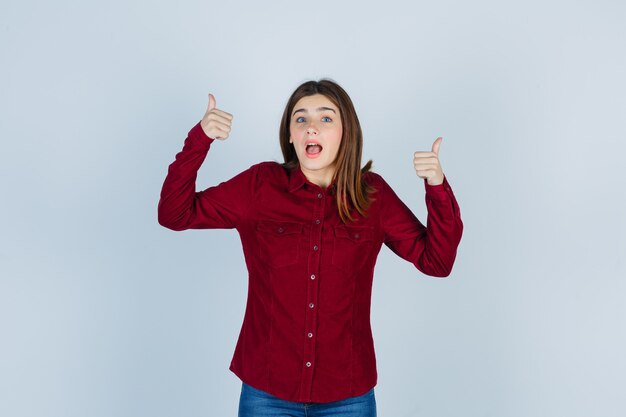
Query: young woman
[[311, 229]]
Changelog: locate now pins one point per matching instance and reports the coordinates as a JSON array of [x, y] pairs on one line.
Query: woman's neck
[[322, 178]]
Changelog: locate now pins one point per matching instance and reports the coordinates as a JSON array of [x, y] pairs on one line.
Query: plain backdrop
[[104, 313]]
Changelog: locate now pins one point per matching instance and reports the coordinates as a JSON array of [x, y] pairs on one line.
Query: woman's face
[[315, 131]]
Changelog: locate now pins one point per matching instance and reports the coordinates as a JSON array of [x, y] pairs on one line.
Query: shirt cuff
[[197, 135], [439, 192]]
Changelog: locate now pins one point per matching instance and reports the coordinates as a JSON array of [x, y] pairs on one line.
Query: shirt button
[[280, 230], [319, 195], [312, 276], [308, 364], [311, 305], [356, 236], [317, 221], [310, 335], [315, 247]]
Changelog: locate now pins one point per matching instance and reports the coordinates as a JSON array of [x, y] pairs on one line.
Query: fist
[[216, 123], [427, 164]]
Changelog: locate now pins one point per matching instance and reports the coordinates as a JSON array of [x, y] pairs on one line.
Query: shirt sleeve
[[431, 248], [219, 207]]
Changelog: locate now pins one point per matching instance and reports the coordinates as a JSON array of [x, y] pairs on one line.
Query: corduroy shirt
[[306, 332]]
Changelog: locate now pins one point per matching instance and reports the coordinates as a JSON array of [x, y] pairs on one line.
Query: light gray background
[[104, 313]]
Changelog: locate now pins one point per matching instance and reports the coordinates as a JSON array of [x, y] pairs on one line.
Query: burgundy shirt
[[306, 332]]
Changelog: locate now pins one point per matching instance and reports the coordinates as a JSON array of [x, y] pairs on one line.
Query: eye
[[300, 119], [327, 119]]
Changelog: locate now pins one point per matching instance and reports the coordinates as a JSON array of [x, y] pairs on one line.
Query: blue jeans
[[257, 403]]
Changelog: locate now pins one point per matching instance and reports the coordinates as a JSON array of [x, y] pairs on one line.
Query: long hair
[[351, 191]]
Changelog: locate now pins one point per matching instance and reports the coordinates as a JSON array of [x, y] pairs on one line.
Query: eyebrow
[[318, 109]]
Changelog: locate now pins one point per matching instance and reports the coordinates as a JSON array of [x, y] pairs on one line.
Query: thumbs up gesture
[[427, 164], [216, 123]]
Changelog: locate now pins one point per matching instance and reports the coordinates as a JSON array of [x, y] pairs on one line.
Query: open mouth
[[313, 148]]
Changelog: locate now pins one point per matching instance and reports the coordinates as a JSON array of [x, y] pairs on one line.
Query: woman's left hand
[[427, 164]]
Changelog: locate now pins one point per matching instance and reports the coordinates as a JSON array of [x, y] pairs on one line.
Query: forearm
[[175, 209], [444, 229]]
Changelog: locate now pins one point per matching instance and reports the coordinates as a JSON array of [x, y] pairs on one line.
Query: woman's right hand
[[216, 123]]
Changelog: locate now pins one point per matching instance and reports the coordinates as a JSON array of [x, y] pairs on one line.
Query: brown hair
[[351, 191]]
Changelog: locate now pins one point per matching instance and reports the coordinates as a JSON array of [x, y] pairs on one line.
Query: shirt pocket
[[351, 247], [279, 242]]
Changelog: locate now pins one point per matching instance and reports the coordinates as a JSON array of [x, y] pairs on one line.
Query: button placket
[[317, 217]]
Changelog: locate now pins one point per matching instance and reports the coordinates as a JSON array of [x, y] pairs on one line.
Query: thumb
[[436, 145], [211, 102]]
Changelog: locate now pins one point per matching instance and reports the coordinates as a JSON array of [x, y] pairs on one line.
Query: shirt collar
[[297, 179]]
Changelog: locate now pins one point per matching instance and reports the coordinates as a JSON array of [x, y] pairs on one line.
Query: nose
[[311, 130]]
